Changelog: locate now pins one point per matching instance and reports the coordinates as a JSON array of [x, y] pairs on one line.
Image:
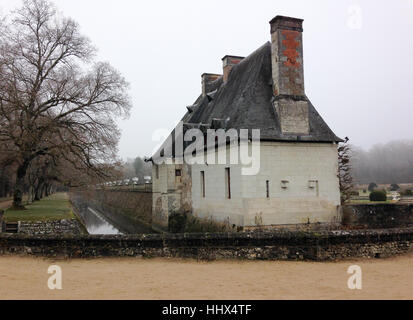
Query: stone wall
[[71, 226], [320, 246], [127, 210], [136, 205], [378, 215], [171, 193]]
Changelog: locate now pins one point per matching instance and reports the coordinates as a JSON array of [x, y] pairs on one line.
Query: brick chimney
[[228, 63], [207, 79], [288, 74]]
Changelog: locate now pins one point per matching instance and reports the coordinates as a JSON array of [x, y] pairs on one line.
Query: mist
[[384, 163]]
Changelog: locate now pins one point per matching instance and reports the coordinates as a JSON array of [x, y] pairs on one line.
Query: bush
[[177, 222], [372, 186], [394, 187], [378, 196]]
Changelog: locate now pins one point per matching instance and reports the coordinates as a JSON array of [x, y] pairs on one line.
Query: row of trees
[[136, 168], [390, 163], [57, 104]]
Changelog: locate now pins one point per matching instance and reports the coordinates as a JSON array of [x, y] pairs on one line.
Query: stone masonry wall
[[71, 226], [375, 216], [320, 246]]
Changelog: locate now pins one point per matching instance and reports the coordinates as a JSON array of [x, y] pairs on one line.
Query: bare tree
[[345, 171], [53, 98]]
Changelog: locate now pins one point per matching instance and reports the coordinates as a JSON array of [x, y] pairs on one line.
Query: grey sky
[[358, 73]]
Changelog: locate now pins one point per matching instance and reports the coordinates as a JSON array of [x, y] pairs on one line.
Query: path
[[128, 278], [5, 204]]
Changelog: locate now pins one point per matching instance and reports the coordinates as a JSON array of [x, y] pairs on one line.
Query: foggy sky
[[358, 72]]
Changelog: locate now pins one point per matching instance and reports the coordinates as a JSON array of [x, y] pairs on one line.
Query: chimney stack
[[207, 79], [228, 63], [288, 74]]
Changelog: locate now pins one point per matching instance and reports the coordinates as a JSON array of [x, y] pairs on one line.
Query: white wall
[[296, 162]]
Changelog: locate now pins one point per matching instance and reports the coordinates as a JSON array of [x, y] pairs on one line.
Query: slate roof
[[246, 102]]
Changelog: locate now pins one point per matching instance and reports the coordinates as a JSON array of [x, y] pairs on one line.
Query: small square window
[[284, 184], [178, 173], [312, 184]]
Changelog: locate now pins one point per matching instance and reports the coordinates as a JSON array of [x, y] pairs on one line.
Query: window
[[178, 173], [268, 189], [228, 183], [157, 171], [312, 184], [203, 184]]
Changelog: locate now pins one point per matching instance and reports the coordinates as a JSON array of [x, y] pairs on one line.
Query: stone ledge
[[327, 245]]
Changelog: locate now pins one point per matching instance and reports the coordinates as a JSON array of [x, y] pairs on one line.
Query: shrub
[[372, 186], [378, 196], [177, 222], [394, 187]]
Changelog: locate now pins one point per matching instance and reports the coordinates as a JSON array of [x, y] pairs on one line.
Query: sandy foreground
[[129, 278]]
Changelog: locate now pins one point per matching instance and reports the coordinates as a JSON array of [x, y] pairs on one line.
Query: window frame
[[228, 194], [203, 191]]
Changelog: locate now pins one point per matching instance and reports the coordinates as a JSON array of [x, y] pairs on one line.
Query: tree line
[[58, 105], [390, 163]]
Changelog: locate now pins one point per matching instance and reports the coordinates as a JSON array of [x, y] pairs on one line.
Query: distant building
[[298, 177], [364, 193]]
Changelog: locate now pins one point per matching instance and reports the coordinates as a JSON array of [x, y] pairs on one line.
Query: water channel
[[96, 223]]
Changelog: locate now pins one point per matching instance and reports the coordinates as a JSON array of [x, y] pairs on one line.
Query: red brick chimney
[[228, 63], [288, 75], [287, 56]]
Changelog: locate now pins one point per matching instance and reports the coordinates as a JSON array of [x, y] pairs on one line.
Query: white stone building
[[297, 181]]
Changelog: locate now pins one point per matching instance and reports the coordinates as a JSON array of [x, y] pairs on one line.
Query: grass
[[55, 207], [371, 202]]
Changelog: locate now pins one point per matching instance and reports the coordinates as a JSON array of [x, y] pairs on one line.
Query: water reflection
[[96, 224]]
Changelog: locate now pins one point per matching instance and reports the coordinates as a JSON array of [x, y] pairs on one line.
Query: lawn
[[371, 202], [55, 207]]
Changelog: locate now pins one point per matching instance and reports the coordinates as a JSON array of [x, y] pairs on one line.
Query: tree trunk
[[37, 191], [31, 195], [43, 191], [19, 187]]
